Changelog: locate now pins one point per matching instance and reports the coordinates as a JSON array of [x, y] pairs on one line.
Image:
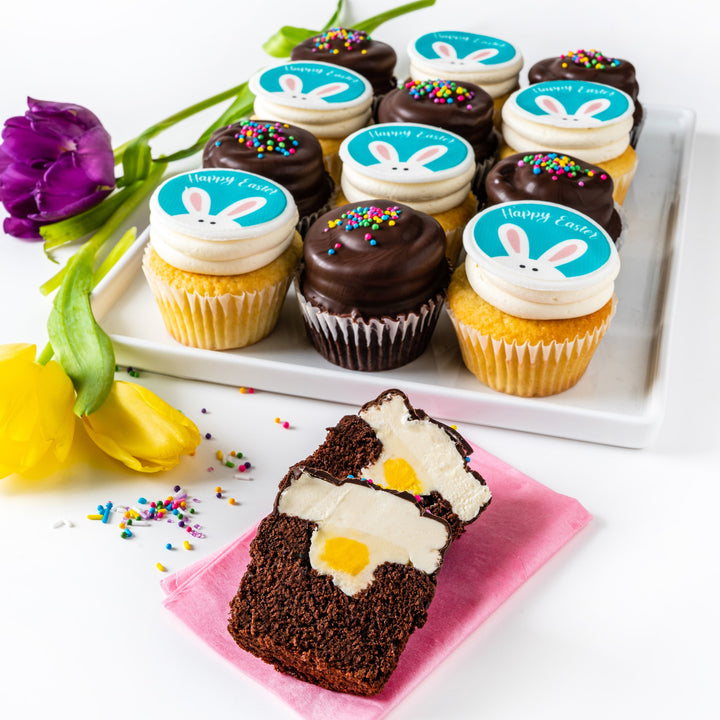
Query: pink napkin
[[524, 526]]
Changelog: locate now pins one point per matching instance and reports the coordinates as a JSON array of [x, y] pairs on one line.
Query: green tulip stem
[[113, 223]]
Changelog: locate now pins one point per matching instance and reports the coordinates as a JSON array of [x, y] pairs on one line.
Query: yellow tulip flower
[[36, 411], [140, 429]]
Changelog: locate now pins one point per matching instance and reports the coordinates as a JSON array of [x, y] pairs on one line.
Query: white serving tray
[[619, 401]]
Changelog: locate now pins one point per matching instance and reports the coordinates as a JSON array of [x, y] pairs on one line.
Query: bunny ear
[[445, 50], [196, 201], [564, 252], [427, 154], [334, 88], [383, 151], [592, 107], [242, 207], [550, 105], [515, 240], [484, 54], [291, 83]]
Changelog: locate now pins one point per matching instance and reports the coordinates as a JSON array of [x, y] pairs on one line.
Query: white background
[[622, 623]]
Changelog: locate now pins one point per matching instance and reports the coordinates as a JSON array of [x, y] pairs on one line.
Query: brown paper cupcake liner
[[218, 322], [524, 369], [370, 345], [307, 220]]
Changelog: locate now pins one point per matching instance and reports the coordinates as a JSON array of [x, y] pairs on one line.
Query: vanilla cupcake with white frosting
[[586, 120], [328, 100], [223, 250], [424, 167], [534, 297], [492, 63]]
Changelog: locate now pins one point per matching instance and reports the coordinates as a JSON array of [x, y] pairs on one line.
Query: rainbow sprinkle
[[442, 92], [347, 38], [591, 59], [366, 218], [266, 137], [557, 166]]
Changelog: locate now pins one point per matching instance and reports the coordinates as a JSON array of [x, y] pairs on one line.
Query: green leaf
[[333, 21], [115, 254], [285, 39], [240, 108], [81, 346], [371, 23], [79, 226], [136, 161]]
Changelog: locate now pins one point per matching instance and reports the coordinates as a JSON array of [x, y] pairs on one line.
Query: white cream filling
[[534, 304], [431, 453], [429, 197], [328, 122], [392, 527], [593, 144], [220, 257]]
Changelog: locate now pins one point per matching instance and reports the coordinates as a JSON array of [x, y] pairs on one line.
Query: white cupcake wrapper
[[217, 322], [373, 344]]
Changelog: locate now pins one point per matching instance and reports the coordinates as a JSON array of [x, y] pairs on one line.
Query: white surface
[[620, 400], [623, 623]]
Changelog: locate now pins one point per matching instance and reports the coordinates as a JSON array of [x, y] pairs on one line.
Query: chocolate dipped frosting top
[[353, 49], [557, 178], [287, 154], [460, 107], [374, 258]]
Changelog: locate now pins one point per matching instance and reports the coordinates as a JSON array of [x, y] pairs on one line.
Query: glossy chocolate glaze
[[621, 76], [400, 273], [509, 181], [374, 60], [301, 171], [471, 119]]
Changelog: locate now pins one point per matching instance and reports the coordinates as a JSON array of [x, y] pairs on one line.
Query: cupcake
[[534, 297], [223, 249], [585, 120], [373, 284], [425, 167], [462, 108], [329, 101], [593, 66], [465, 57], [556, 178], [284, 153], [353, 49]]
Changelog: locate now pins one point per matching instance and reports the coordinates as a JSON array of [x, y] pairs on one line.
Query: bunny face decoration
[[492, 63], [221, 222], [586, 120], [407, 162], [540, 254]]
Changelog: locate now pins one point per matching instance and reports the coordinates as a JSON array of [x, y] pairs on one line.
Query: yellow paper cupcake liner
[[219, 322], [524, 369]]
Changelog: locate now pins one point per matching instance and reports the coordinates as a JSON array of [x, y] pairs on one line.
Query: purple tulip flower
[[55, 161]]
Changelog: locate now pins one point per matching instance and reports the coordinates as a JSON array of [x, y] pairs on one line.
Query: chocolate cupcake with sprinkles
[[557, 178], [353, 49], [281, 152], [461, 107], [373, 284]]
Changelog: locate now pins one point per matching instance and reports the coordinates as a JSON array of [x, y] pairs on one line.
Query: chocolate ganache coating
[[284, 153], [374, 258], [555, 178], [590, 66], [353, 49], [463, 108]]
